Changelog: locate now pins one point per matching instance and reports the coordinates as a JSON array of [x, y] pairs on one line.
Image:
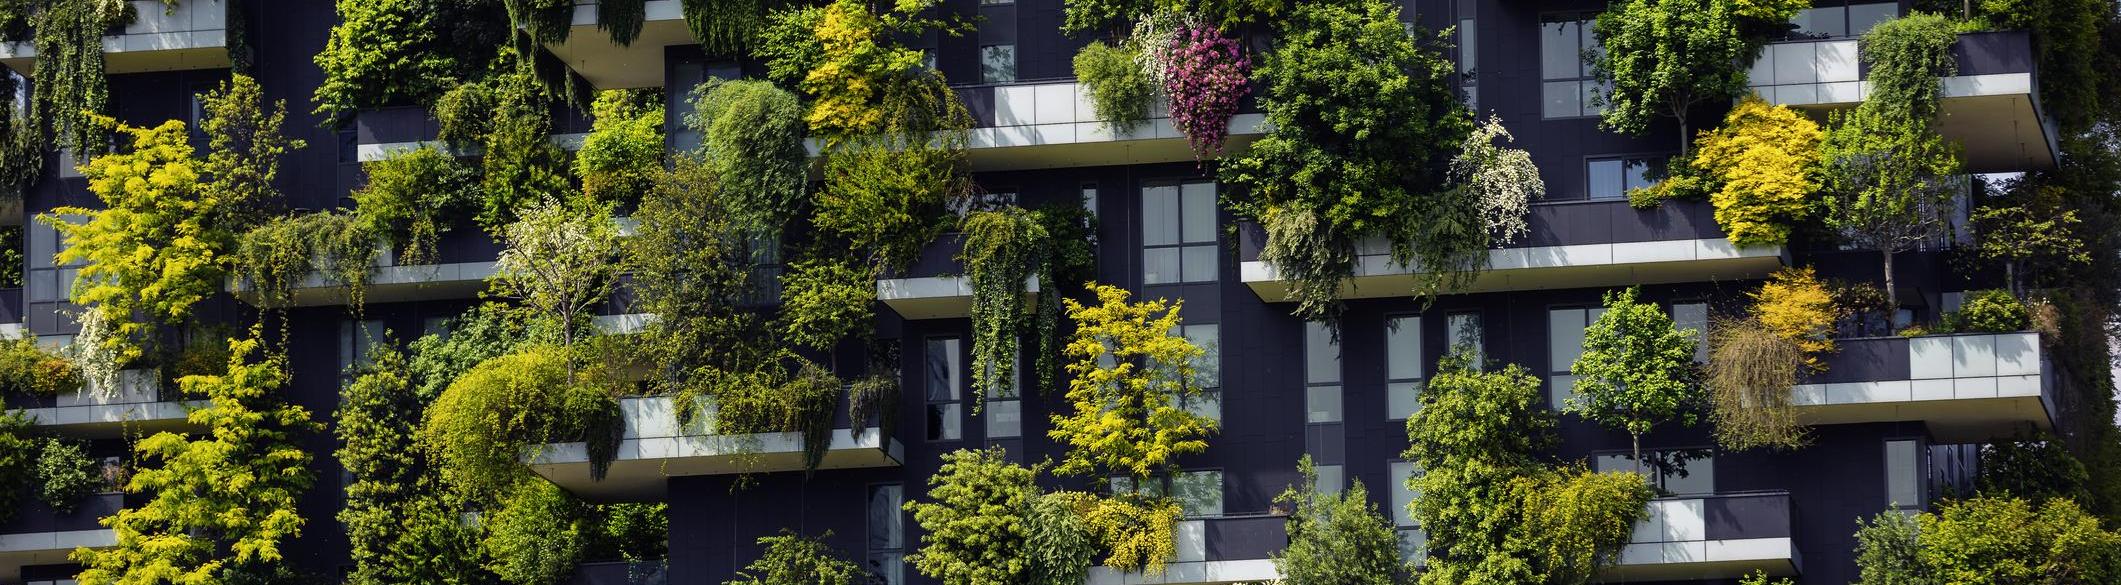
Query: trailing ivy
[[273, 259], [398, 52], [1003, 250], [521, 165], [624, 150], [71, 91], [728, 27], [622, 19], [752, 139], [1070, 257], [21, 143], [546, 21]]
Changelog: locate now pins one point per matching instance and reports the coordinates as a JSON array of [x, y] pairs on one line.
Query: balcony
[[1230, 549], [620, 573], [935, 287], [1713, 537], [1968, 388], [40, 536], [465, 258], [192, 35], [138, 407], [1583, 244], [607, 65], [1990, 107], [655, 448], [1052, 125], [11, 314], [382, 133]]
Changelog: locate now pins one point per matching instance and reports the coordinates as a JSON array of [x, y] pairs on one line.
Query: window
[[1694, 316], [887, 544], [1004, 410], [1462, 332], [764, 285], [1402, 367], [946, 412], [1676, 472], [1566, 87], [1564, 344], [356, 338], [1468, 53], [1178, 233], [1331, 479], [1841, 20], [1199, 493], [1207, 370], [50, 282], [684, 76], [1613, 178], [1903, 474], [997, 63], [1322, 397], [1413, 542]]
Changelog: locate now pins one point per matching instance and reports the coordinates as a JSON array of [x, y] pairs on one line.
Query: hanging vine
[[21, 143], [547, 21], [622, 19], [726, 27], [1004, 248], [70, 88], [273, 259]]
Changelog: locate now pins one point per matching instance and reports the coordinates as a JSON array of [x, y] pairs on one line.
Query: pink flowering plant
[[1204, 75]]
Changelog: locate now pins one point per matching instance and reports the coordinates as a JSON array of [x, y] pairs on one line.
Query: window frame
[[1420, 366], [1585, 81], [870, 553], [959, 378], [1653, 173], [1179, 243]]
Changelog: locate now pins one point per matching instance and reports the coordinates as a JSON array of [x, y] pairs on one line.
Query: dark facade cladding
[[1278, 399]]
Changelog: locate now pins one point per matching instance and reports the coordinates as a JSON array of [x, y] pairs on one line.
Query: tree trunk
[[2010, 278], [1635, 441], [1892, 293], [1684, 143]]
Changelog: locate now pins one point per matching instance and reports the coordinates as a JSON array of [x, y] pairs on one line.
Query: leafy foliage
[[2037, 469], [411, 198], [1797, 307], [521, 164], [536, 534], [624, 150], [71, 94], [1120, 92], [727, 27], [1494, 513], [826, 300], [167, 234], [1140, 531], [1004, 248], [1759, 166], [66, 474], [393, 52], [274, 258], [1129, 375], [399, 526], [219, 504], [18, 460], [1338, 538], [1059, 540], [976, 531], [888, 203], [861, 81], [1502, 180], [1988, 311], [1364, 120], [1636, 370], [1203, 76], [2028, 225], [791, 559], [622, 19], [752, 141], [1666, 57], [484, 332], [1990, 540], [487, 418], [1750, 373], [29, 368], [1889, 178], [562, 259]]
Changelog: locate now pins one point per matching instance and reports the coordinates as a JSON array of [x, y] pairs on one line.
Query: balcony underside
[[110, 421], [643, 466], [48, 548], [1555, 267], [933, 297], [1967, 387], [607, 65], [1093, 144], [1191, 573], [1995, 117], [393, 284], [1956, 420], [1703, 559], [191, 35]]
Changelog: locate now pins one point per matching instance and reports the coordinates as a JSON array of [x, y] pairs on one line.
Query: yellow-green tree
[[1131, 374], [1759, 165], [221, 502]]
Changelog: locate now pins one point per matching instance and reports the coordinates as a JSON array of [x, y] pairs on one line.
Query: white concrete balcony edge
[[1672, 543], [95, 412], [655, 448], [1551, 267], [193, 35], [607, 65], [934, 297], [375, 152], [64, 541], [1190, 573], [1966, 387]]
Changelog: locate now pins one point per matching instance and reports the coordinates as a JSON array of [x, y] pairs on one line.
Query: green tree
[[1363, 121], [1663, 58], [221, 503], [400, 527], [562, 259], [1886, 552], [2036, 468], [535, 537], [1130, 376], [1636, 370], [66, 474], [395, 52], [751, 138], [976, 530], [791, 559], [2028, 224], [1337, 538], [1994, 540], [167, 234], [623, 153], [1060, 541], [488, 417], [1888, 177]]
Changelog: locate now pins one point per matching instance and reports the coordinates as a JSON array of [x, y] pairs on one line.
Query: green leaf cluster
[[273, 259], [562, 259], [219, 504], [489, 416], [862, 82], [1988, 540], [2029, 226], [400, 524], [826, 300], [1093, 16], [412, 198], [536, 535], [752, 140], [1636, 370], [1120, 91], [1663, 58], [1130, 375], [2036, 468], [623, 153], [398, 52], [976, 530], [1337, 538], [1364, 120], [792, 559], [1989, 311], [1004, 249], [66, 475]]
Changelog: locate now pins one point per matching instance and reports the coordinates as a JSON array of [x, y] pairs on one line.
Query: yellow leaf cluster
[[1796, 306], [1131, 373], [1140, 531], [1762, 157]]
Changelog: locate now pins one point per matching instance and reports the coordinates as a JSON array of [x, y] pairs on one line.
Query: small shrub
[[1795, 305], [26, 367], [66, 474], [1760, 165], [792, 559], [412, 198], [536, 535], [1989, 311], [1120, 91], [624, 150], [1139, 531], [825, 300]]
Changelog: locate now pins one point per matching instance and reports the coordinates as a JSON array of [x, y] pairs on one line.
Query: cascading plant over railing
[[1203, 74], [1004, 248]]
